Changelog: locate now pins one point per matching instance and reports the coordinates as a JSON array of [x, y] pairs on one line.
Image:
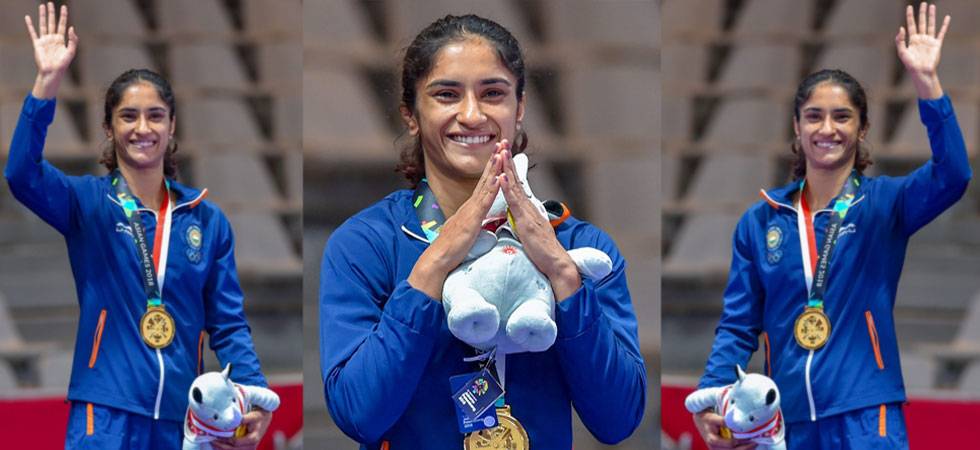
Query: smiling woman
[[816, 265], [140, 120], [387, 355], [469, 103], [146, 298]]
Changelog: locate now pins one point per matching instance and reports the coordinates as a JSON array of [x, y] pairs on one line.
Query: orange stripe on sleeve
[[89, 420], [882, 428], [875, 345], [97, 340]]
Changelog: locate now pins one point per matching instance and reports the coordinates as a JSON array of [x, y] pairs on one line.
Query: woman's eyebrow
[[444, 83], [495, 81], [453, 83]]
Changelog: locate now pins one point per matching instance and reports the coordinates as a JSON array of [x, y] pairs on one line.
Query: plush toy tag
[[474, 394]]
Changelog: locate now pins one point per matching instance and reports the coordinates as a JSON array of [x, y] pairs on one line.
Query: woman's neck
[[146, 185], [451, 193], [823, 185]]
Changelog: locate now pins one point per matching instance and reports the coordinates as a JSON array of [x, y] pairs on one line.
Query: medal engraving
[[812, 329], [157, 327], [508, 435]]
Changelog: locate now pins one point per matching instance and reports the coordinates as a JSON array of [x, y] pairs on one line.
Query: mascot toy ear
[[196, 393], [770, 396], [227, 372], [739, 372]]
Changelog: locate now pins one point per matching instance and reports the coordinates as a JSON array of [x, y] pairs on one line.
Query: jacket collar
[[185, 196], [782, 197], [404, 213]]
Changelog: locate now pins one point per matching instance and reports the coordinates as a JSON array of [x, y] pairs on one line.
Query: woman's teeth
[[471, 139]]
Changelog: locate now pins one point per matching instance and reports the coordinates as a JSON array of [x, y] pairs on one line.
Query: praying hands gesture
[[536, 233], [51, 54], [920, 54]]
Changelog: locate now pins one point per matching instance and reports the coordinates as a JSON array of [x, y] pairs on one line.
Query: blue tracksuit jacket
[[387, 353], [859, 366], [112, 366]]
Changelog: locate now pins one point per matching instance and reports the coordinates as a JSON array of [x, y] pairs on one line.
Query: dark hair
[[419, 57], [862, 158], [115, 94]]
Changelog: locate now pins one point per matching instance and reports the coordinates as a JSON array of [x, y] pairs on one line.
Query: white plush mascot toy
[[217, 406], [750, 407], [497, 297]]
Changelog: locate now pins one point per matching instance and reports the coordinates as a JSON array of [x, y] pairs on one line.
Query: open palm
[[921, 54], [51, 54]]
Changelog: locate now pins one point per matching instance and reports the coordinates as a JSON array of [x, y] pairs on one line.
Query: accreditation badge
[[157, 327], [812, 329], [509, 434]]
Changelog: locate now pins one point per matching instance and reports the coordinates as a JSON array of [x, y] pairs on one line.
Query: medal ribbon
[[815, 265], [153, 269]]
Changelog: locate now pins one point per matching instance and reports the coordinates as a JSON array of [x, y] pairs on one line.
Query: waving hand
[[920, 53], [51, 54]]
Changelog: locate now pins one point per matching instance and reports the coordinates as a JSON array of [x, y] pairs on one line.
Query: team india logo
[[194, 240], [194, 236], [774, 239]]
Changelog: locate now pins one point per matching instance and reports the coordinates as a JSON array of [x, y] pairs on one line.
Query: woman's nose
[[142, 125], [470, 113]]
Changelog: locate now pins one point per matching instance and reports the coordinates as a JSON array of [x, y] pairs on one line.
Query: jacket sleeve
[[599, 352], [375, 338], [941, 181], [224, 317], [737, 334], [41, 187]]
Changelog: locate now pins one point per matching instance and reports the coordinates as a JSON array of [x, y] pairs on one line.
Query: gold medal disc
[[509, 434], [812, 329], [157, 327]]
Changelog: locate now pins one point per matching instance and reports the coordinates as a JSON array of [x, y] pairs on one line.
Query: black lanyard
[[128, 201], [841, 205]]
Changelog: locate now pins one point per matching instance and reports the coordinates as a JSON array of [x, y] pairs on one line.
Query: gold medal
[[509, 434], [157, 327], [812, 329]]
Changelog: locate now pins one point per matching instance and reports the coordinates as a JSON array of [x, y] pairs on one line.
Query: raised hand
[[920, 53], [51, 54]]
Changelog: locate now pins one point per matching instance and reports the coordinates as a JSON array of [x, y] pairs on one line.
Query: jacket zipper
[[808, 279]]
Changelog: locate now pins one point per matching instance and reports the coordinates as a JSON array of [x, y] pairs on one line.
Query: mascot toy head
[[753, 402], [213, 401]]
